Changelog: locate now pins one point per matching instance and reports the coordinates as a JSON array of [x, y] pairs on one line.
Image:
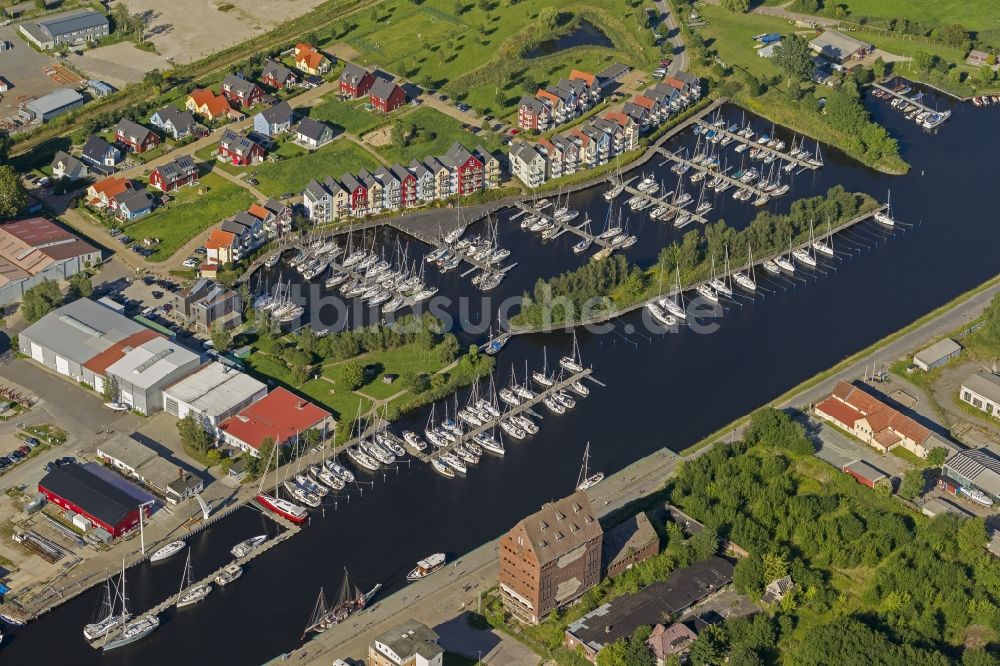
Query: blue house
[[274, 120], [134, 205]]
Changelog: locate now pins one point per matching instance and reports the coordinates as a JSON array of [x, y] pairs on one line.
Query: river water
[[662, 390]]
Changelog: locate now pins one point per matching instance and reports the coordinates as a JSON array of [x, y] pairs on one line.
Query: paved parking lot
[[489, 647], [21, 67], [839, 449]]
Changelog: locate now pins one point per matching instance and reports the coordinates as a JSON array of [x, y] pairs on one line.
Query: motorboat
[[247, 546], [228, 575], [426, 567], [171, 548], [442, 469], [414, 440]]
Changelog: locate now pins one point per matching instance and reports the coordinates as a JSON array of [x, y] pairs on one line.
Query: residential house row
[[598, 140], [559, 104], [245, 232], [459, 172]]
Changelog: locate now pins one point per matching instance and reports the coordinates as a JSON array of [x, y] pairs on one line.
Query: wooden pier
[[752, 143], [919, 105], [525, 406], [290, 531], [661, 201], [712, 173], [566, 226]]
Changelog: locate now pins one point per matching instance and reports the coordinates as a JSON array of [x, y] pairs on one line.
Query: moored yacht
[[246, 546], [170, 549], [228, 575], [426, 567]]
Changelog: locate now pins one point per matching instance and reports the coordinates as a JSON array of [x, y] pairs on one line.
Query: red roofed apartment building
[[876, 423], [280, 415]]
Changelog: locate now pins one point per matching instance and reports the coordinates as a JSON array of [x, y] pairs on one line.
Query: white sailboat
[[130, 631], [585, 480], [190, 592], [721, 284], [111, 617], [822, 246], [573, 362], [542, 376], [747, 279], [885, 216], [786, 263], [675, 304]]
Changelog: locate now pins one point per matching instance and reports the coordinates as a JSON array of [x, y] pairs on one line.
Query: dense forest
[[603, 287]]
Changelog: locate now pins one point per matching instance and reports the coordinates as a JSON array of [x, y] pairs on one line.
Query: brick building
[[550, 558]]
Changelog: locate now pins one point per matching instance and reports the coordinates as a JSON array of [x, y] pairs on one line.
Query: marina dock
[[661, 201], [752, 143], [525, 406], [565, 226], [909, 100], [735, 182], [290, 531]]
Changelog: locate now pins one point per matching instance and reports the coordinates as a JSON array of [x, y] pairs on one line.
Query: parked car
[[464, 107], [190, 262], [157, 294], [31, 442], [24, 450]]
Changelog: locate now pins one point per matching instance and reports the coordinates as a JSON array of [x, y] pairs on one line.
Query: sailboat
[[721, 285], [804, 255], [109, 618], [586, 480], [275, 504], [130, 631], [746, 279], [189, 593], [786, 263], [675, 304], [584, 243], [350, 600], [617, 186], [573, 363], [885, 216], [822, 246], [543, 377]]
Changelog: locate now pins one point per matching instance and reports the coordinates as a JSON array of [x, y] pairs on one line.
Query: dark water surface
[[661, 391], [586, 34]]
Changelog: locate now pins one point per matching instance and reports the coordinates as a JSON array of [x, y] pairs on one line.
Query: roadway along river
[[661, 391]]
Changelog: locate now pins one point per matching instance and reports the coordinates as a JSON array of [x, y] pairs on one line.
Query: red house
[[407, 185], [355, 81], [277, 75], [466, 169], [240, 92], [386, 96], [176, 173], [112, 506], [134, 137], [240, 150], [358, 193]]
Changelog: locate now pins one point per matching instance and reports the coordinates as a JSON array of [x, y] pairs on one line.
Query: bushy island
[[875, 581], [600, 289]]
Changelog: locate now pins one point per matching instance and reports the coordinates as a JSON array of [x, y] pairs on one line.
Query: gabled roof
[[525, 152], [456, 156], [214, 105], [533, 103], [310, 57], [181, 166], [401, 172], [97, 148], [99, 364], [350, 182], [218, 239], [644, 102], [549, 96], [353, 74], [383, 89], [385, 175], [111, 186], [586, 77], [418, 168], [101, 499], [235, 227], [136, 200], [561, 527], [278, 114], [312, 129], [275, 70], [69, 162], [240, 85], [170, 114], [981, 466], [259, 212], [238, 142], [152, 362], [132, 129]]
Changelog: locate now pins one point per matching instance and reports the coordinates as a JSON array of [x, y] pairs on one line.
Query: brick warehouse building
[[106, 505], [550, 558]]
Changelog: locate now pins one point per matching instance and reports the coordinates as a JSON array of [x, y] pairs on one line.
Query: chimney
[[180, 473], [607, 628]]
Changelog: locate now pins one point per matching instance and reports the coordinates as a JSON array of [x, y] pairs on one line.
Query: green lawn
[[191, 213], [732, 36], [351, 116], [397, 361], [435, 134], [343, 404], [969, 13], [293, 173]]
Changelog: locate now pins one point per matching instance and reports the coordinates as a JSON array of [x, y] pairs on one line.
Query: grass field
[[190, 213], [435, 134], [343, 404], [969, 13], [397, 361], [470, 49], [351, 116], [293, 173]]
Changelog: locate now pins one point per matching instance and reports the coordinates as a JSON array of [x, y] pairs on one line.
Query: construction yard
[[27, 73]]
